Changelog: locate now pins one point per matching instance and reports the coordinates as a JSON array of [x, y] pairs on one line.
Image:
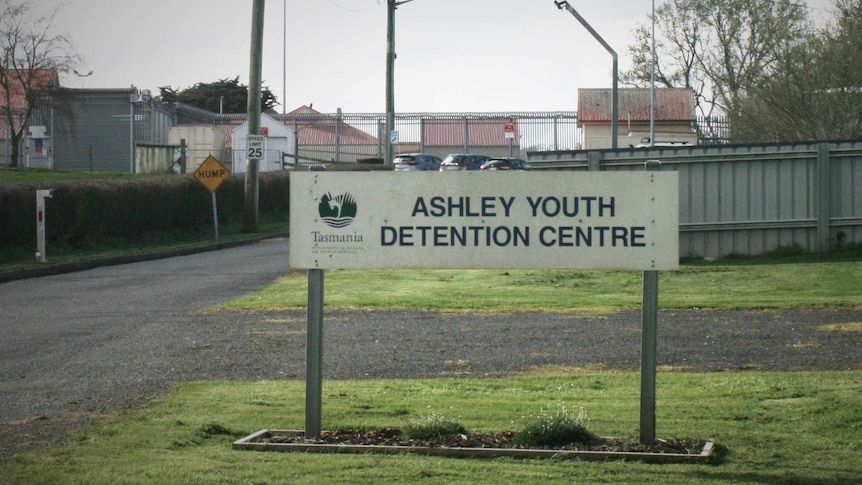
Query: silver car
[[409, 162], [463, 161]]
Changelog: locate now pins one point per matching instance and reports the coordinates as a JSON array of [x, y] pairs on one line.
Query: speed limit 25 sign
[[254, 144]]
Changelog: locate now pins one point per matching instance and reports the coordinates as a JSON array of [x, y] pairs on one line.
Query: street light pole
[[615, 111], [652, 83], [284, 64], [391, 5], [82, 76]]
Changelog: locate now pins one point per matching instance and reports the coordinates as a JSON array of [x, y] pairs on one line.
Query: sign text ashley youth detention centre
[[484, 220]]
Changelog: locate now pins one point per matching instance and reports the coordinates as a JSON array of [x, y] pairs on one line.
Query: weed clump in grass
[[555, 429], [432, 426]]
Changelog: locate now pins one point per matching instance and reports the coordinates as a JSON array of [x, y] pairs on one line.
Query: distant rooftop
[[672, 104]]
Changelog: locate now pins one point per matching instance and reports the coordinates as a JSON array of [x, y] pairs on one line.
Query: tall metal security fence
[[748, 199], [350, 137], [328, 137], [712, 130]]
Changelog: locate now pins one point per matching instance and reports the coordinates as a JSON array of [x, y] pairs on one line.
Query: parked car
[[505, 164], [409, 162], [463, 161]]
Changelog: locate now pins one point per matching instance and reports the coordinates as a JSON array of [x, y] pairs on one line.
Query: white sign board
[[255, 147], [484, 220]]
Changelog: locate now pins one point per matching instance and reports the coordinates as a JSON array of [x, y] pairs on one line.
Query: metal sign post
[[314, 355], [649, 339], [215, 215], [510, 135]]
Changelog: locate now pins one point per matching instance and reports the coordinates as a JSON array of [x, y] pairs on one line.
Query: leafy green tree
[[33, 56], [222, 96]]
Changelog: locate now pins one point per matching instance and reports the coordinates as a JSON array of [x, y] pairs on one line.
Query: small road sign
[[254, 144], [211, 173]]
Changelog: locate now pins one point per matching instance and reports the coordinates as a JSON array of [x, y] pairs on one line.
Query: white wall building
[[279, 139]]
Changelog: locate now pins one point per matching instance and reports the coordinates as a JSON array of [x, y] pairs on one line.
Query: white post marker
[[40, 223]]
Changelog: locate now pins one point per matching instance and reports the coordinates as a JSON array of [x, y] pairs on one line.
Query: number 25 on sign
[[255, 147]]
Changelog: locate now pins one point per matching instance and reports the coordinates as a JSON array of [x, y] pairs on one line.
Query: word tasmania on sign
[[452, 220]]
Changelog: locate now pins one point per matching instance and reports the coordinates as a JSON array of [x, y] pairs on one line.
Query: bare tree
[[677, 54], [719, 48], [815, 93], [31, 60]]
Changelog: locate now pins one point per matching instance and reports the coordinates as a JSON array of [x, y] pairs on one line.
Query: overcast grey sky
[[453, 55]]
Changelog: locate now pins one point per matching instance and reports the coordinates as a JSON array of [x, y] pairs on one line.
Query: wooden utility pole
[[250, 201]]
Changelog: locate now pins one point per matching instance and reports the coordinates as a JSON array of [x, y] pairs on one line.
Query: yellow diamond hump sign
[[211, 173]]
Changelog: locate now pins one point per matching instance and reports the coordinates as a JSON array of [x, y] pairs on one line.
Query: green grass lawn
[[718, 286], [771, 428]]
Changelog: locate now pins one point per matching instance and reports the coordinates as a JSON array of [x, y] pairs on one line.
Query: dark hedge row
[[84, 211]]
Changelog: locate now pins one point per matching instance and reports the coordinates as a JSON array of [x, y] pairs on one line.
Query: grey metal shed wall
[[749, 199], [845, 192], [100, 126]]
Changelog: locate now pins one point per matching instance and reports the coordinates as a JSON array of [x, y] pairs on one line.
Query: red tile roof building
[[13, 95], [674, 116]]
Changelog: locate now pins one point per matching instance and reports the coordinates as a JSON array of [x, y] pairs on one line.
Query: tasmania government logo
[[338, 211]]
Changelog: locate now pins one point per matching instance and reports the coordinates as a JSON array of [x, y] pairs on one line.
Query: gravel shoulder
[[98, 377]]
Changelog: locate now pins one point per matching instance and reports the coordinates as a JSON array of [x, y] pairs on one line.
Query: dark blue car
[[505, 164]]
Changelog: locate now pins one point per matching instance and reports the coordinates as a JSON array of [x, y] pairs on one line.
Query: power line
[[353, 9]]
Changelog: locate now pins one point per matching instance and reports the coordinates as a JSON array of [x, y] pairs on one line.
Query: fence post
[[338, 135], [422, 134], [822, 186], [183, 155], [466, 135], [594, 161], [556, 140], [381, 132]]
